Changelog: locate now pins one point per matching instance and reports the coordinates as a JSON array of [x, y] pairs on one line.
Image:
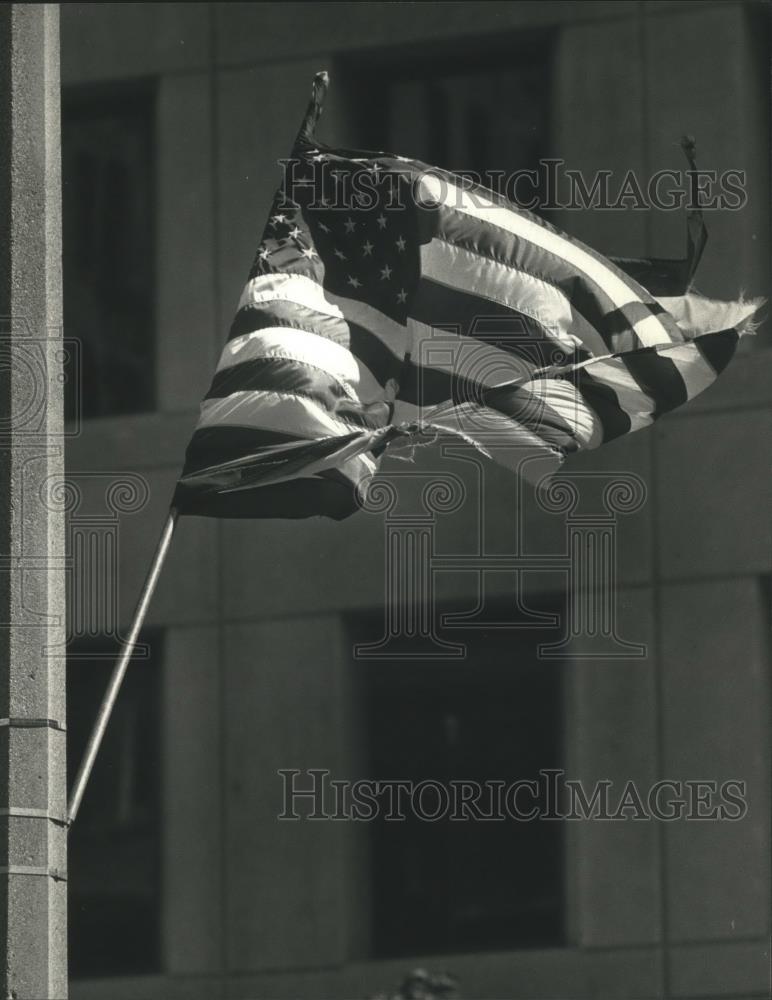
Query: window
[[482, 106], [114, 846], [109, 247], [470, 885]]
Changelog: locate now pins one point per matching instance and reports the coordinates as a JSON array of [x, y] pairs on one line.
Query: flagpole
[[111, 694]]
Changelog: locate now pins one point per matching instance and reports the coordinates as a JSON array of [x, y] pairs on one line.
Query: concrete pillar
[[32, 704]]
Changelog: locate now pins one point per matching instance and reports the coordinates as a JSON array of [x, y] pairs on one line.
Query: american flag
[[390, 302]]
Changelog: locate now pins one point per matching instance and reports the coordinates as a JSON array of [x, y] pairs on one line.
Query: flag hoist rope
[[108, 701]]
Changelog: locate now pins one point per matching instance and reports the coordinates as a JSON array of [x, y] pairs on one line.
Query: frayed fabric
[[696, 314]]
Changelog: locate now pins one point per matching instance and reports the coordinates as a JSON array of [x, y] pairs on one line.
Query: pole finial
[[696, 232], [314, 109]]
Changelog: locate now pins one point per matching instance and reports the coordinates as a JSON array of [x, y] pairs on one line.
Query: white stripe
[[697, 315], [470, 272], [308, 349], [303, 291], [272, 411], [563, 397], [507, 442], [637, 404], [442, 191]]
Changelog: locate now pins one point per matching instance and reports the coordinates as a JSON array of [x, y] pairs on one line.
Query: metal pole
[[116, 679]]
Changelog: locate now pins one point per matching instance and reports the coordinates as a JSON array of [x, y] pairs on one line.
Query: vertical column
[[32, 703]]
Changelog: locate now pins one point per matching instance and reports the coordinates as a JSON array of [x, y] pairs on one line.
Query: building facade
[[184, 883]]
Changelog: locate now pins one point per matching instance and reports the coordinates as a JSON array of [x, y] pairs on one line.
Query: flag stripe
[[585, 422], [287, 376], [659, 378], [272, 411], [698, 316], [377, 362], [298, 345], [717, 348], [556, 413], [604, 400], [281, 314], [616, 397]]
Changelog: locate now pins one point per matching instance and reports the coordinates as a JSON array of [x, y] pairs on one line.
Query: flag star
[[263, 254], [386, 272], [339, 255], [400, 244], [350, 225], [354, 282], [309, 252], [367, 248], [324, 229], [381, 220], [402, 295], [276, 219], [319, 157], [376, 168], [294, 233]]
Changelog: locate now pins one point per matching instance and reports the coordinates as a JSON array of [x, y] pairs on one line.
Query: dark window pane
[[481, 107], [460, 886], [114, 845], [109, 246]]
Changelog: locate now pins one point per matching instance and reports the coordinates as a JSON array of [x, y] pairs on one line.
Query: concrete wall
[[254, 672]]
